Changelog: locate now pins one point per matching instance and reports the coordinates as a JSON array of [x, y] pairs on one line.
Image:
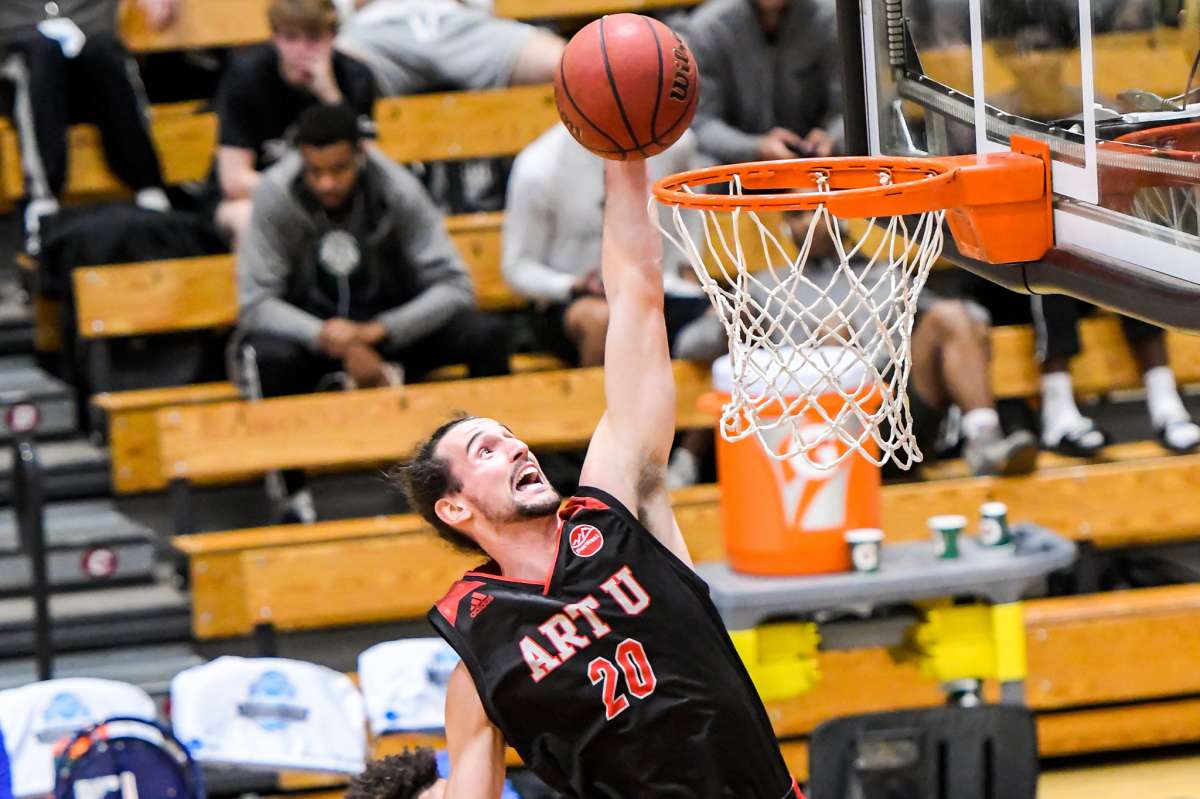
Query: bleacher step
[[150, 667], [73, 468], [22, 380], [100, 619], [88, 543]]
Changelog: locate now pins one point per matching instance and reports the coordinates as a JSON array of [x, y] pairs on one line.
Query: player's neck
[[525, 550]]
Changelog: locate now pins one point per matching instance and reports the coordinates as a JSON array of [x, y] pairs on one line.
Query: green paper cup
[[947, 531], [993, 525]]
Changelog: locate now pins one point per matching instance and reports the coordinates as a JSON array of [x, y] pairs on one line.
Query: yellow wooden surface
[[454, 125], [185, 143], [1155, 778], [1110, 504], [153, 398], [199, 24], [156, 296], [477, 237], [389, 578], [1138, 726], [558, 408], [1113, 647], [133, 431]]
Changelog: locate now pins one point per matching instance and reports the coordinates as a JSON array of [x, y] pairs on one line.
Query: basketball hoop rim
[[857, 188], [916, 179], [1183, 130], [998, 205]]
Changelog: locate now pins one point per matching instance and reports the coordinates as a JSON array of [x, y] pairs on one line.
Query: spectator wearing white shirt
[[552, 238], [552, 251]]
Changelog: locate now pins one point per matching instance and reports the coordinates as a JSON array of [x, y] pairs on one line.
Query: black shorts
[[551, 334]]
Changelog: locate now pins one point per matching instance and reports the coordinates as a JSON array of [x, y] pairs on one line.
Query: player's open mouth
[[529, 478]]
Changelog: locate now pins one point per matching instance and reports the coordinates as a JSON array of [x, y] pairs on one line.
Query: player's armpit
[[658, 516], [476, 745]]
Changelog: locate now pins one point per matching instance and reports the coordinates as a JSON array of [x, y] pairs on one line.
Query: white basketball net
[[820, 351], [1175, 207]]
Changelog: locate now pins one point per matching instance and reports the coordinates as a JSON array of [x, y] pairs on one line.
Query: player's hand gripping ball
[[627, 87]]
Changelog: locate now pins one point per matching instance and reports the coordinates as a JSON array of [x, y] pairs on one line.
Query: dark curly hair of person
[[402, 776]]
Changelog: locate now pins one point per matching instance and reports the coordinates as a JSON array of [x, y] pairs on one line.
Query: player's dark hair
[[426, 478], [321, 125], [401, 776]]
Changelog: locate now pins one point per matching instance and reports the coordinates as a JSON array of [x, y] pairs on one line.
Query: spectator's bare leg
[[538, 59], [951, 353], [586, 323], [233, 217], [951, 350]]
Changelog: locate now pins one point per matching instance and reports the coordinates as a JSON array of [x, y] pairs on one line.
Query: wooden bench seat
[[555, 409]]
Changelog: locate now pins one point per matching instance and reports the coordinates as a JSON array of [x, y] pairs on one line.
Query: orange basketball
[[627, 87]]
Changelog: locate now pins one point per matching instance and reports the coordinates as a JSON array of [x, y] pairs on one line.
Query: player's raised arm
[[476, 745], [629, 451]]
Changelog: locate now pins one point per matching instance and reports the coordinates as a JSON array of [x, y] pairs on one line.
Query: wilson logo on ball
[[682, 83], [586, 540]]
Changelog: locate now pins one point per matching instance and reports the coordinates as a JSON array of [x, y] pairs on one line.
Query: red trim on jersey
[[796, 788], [491, 570], [553, 563], [448, 605], [576, 504]]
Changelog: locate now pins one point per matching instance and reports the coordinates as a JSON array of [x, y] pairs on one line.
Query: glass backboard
[[1111, 85]]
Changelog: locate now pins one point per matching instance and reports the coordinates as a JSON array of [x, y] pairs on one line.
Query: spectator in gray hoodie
[[347, 269], [769, 68]]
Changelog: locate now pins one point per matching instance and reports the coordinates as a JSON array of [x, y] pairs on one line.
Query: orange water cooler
[[786, 517]]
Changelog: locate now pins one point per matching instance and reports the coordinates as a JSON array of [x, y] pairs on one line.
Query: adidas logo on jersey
[[479, 602]]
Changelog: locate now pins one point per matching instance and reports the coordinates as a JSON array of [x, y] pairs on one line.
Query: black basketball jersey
[[614, 678]]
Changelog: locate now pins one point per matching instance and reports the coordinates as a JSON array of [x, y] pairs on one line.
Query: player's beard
[[517, 511], [545, 505]]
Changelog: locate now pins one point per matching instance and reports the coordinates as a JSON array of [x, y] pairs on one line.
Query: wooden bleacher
[[454, 125], [206, 24]]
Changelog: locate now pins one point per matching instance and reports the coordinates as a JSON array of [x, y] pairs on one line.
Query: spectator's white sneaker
[[393, 374], [299, 508], [37, 213], [1008, 455]]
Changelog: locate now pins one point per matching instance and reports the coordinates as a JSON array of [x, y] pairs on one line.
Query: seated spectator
[[771, 80], [346, 266], [416, 46], [950, 355], [265, 90], [68, 65], [552, 258], [1067, 431]]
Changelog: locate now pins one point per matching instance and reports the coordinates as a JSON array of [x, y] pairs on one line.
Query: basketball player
[[588, 642]]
